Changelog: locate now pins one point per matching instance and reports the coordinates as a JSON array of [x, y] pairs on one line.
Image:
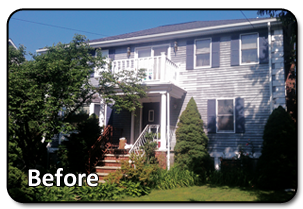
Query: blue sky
[[39, 28]]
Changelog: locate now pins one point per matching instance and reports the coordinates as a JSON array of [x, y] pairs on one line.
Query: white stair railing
[[136, 148]]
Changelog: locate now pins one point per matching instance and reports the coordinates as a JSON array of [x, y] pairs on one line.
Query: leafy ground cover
[[211, 193]]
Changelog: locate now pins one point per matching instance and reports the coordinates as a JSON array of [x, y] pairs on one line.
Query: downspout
[[270, 68], [168, 130]]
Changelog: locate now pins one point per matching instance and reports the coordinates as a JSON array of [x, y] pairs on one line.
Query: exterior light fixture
[[176, 46], [128, 52]]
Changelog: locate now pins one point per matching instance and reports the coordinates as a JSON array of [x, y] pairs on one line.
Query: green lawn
[[210, 193]]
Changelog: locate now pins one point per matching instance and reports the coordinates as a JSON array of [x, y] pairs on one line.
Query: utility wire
[[247, 19], [55, 26]]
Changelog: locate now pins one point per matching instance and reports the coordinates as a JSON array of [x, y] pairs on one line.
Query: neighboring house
[[234, 69], [11, 43]]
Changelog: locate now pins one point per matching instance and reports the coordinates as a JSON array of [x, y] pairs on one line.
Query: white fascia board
[[181, 34], [185, 33]]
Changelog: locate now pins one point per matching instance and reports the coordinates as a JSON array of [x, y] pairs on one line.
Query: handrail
[[103, 142], [141, 140]]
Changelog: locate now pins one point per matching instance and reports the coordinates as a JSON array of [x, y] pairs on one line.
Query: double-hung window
[[152, 51], [225, 115], [202, 53], [249, 48]]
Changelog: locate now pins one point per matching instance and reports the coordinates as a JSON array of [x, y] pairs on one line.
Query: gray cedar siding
[[247, 81]]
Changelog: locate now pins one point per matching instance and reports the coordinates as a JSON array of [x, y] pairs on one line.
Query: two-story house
[[234, 69]]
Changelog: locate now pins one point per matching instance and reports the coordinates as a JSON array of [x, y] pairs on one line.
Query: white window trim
[[240, 48], [152, 51], [234, 116], [210, 53]]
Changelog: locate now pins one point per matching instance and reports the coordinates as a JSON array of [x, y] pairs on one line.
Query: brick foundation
[[161, 156]]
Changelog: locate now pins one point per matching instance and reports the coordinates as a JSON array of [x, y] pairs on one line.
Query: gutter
[[183, 33], [179, 34]]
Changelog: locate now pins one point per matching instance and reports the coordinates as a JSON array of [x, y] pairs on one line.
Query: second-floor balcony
[[158, 68]]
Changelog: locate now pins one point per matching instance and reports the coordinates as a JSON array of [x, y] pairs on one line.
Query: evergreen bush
[[73, 154], [277, 165], [191, 147]]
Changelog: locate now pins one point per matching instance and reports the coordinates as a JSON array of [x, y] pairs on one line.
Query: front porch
[[160, 110]]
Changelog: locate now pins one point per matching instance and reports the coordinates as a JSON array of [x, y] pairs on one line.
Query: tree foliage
[[59, 80], [278, 162], [190, 149], [123, 89], [73, 153], [290, 29]]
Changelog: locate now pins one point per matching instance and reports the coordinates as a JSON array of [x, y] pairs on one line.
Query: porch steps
[[111, 163]]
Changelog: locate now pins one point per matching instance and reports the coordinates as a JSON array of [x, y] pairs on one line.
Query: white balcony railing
[[158, 68]]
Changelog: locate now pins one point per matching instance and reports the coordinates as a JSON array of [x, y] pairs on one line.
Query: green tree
[[54, 81], [190, 149], [73, 153], [278, 163]]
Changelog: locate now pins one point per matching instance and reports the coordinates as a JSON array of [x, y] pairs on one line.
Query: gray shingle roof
[[176, 27]]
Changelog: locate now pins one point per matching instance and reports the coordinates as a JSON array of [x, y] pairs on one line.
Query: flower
[[247, 144]]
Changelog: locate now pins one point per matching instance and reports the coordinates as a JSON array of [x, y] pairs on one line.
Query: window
[[152, 51], [97, 110], [159, 49], [202, 53], [151, 115], [84, 109], [249, 48], [225, 115], [144, 53]]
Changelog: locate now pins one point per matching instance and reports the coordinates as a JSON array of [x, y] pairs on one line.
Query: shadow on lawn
[[272, 196]]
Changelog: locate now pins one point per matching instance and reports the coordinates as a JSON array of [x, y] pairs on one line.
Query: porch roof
[[163, 87], [157, 87]]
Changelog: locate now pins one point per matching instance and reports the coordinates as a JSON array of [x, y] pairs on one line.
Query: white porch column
[[168, 131], [102, 113], [163, 122], [162, 73], [132, 128]]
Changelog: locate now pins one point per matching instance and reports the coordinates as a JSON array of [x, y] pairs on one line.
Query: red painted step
[[111, 162]]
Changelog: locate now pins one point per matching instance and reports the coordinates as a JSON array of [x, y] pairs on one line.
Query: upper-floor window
[[152, 51], [144, 53], [202, 52], [249, 48]]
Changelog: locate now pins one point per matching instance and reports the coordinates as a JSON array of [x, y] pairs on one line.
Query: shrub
[[237, 176], [105, 191], [134, 188], [190, 149], [17, 186], [137, 177], [73, 154], [175, 178], [277, 165], [55, 194]]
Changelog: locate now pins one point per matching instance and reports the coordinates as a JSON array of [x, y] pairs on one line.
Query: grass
[[211, 193]]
